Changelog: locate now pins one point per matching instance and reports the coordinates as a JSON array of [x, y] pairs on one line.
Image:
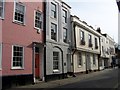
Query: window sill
[[2, 18], [53, 18], [19, 23], [38, 29], [94, 65], [79, 66], [64, 22], [17, 68], [55, 71]]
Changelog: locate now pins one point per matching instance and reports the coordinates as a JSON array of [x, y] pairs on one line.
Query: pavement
[[70, 80]]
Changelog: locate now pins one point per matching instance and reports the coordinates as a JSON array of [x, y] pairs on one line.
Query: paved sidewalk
[[56, 83]]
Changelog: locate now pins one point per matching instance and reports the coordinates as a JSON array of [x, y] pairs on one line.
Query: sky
[[97, 13]]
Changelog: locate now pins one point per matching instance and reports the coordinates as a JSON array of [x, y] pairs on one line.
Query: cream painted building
[[86, 49], [107, 50]]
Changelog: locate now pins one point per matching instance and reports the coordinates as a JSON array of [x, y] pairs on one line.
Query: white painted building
[[58, 34], [86, 49]]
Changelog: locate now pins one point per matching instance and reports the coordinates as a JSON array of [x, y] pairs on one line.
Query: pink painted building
[[21, 42]]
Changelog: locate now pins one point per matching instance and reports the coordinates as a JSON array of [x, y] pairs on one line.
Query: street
[[105, 80]]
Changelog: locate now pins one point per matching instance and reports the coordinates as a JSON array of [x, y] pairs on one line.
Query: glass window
[[53, 31], [53, 10], [90, 40], [82, 35], [65, 35], [1, 8], [55, 60], [96, 44], [64, 16], [17, 58], [94, 61], [38, 19], [19, 14], [79, 59]]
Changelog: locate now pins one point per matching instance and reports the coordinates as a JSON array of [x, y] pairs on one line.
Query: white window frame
[[41, 20], [1, 57], [13, 56], [65, 17], [56, 70], [55, 30], [52, 3], [2, 17], [79, 58], [82, 35], [16, 21], [64, 29], [90, 39], [96, 42]]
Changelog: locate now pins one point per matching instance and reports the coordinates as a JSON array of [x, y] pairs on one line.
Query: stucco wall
[[86, 47], [51, 44], [17, 34], [76, 67], [49, 58]]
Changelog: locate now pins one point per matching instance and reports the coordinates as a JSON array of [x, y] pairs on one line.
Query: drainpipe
[[33, 63], [73, 52], [99, 54], [44, 28], [62, 66]]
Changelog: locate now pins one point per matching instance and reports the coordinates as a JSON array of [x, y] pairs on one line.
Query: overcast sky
[[97, 13]]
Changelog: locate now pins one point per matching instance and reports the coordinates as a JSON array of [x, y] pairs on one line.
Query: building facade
[[107, 50], [57, 38], [86, 46], [21, 44]]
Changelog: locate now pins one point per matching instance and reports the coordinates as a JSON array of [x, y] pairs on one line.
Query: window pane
[[53, 10], [53, 31], [17, 56], [94, 62], [38, 20], [64, 16], [64, 35], [1, 8], [19, 12], [82, 35], [53, 7], [79, 59], [55, 60]]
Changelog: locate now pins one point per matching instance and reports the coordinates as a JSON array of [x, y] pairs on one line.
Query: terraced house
[[57, 39], [21, 43], [109, 50], [86, 47]]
